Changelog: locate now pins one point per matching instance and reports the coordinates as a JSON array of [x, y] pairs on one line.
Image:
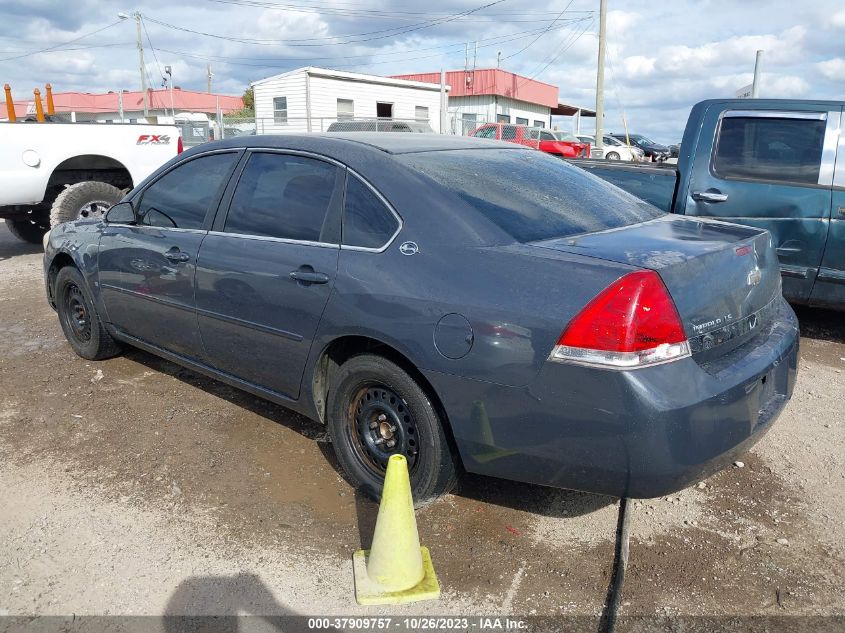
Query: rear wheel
[[89, 199], [79, 319], [376, 410], [612, 156], [27, 230]]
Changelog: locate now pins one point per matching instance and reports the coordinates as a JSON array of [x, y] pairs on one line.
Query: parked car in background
[[614, 149], [590, 341], [581, 149], [652, 151], [674, 150], [552, 142], [381, 125], [769, 163]]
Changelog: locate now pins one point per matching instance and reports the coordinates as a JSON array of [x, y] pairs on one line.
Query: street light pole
[[755, 86], [600, 78]]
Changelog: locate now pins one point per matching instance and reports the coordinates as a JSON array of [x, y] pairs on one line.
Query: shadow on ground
[[10, 246], [817, 323], [228, 599], [510, 494]]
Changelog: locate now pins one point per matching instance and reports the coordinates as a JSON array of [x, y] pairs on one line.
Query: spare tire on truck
[[89, 199]]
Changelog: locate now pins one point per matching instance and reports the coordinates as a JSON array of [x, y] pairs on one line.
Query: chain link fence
[[230, 127]]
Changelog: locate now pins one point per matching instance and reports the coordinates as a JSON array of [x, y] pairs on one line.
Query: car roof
[[389, 143]]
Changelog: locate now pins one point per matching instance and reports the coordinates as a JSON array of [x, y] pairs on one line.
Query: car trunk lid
[[723, 277]]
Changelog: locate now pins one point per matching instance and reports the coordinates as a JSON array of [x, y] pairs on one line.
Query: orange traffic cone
[[396, 570]]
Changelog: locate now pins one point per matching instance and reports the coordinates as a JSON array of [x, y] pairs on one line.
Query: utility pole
[[209, 74], [755, 86], [141, 67], [600, 77]]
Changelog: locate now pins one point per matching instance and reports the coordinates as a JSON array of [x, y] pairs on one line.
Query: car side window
[[181, 198], [546, 136], [367, 222], [770, 148], [508, 132], [284, 196]]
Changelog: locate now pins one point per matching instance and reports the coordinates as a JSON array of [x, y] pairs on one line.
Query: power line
[[534, 41], [393, 32], [272, 65], [564, 47], [55, 46], [376, 13], [150, 42]]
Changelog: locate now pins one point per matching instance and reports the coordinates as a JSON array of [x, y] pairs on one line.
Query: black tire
[[26, 230], [364, 389], [78, 317], [612, 156], [83, 200]]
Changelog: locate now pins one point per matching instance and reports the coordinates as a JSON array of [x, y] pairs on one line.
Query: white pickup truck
[[56, 172]]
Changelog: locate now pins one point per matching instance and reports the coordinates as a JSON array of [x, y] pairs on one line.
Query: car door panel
[[767, 168], [829, 289], [146, 270], [259, 297], [148, 293]]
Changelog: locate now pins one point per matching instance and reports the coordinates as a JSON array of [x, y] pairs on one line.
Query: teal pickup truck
[[775, 164]]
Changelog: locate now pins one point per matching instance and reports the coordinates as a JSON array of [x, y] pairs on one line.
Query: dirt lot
[[133, 486]]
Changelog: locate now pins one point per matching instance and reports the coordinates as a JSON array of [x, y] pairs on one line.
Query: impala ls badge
[[409, 248], [754, 277]]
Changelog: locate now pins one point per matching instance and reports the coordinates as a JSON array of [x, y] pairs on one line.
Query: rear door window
[[182, 197], [531, 195], [284, 196], [770, 148], [367, 222]]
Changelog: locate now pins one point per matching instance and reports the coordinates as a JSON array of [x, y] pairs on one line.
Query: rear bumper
[[642, 433]]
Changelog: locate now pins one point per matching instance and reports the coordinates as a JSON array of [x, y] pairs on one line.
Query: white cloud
[[833, 69]]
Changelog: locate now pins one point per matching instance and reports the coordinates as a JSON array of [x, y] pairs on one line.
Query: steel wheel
[[380, 424], [75, 313]]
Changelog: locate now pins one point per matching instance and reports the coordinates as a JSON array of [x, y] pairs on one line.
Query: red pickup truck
[[552, 142]]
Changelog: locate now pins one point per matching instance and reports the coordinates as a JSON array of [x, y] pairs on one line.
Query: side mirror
[[121, 213]]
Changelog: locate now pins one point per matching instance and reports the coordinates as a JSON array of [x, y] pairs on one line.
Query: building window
[[503, 118], [421, 113], [539, 123], [521, 121], [280, 109], [384, 110], [345, 109]]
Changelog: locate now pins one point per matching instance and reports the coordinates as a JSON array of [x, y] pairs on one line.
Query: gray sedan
[[467, 303]]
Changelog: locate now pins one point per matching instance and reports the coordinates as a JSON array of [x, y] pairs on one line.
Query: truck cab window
[[769, 149]]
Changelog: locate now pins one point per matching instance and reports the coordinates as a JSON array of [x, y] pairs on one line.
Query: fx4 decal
[[153, 139]]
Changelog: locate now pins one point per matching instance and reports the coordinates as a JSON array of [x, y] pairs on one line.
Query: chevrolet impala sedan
[[472, 305]]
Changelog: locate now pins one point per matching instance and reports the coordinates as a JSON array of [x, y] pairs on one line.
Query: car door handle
[[711, 195], [309, 277], [177, 256]]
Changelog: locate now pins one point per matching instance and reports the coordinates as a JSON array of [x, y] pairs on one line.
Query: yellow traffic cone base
[[368, 592], [396, 569]]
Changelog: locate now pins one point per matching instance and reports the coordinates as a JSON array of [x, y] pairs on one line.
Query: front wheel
[[78, 317], [376, 410], [612, 156]]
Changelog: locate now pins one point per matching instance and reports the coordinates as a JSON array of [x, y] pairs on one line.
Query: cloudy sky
[[662, 57]]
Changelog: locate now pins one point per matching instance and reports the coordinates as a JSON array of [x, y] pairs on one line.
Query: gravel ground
[[133, 486]]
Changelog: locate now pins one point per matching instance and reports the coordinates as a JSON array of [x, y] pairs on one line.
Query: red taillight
[[180, 147], [631, 323]]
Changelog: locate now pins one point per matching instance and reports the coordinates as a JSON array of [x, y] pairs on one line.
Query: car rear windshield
[[530, 195]]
